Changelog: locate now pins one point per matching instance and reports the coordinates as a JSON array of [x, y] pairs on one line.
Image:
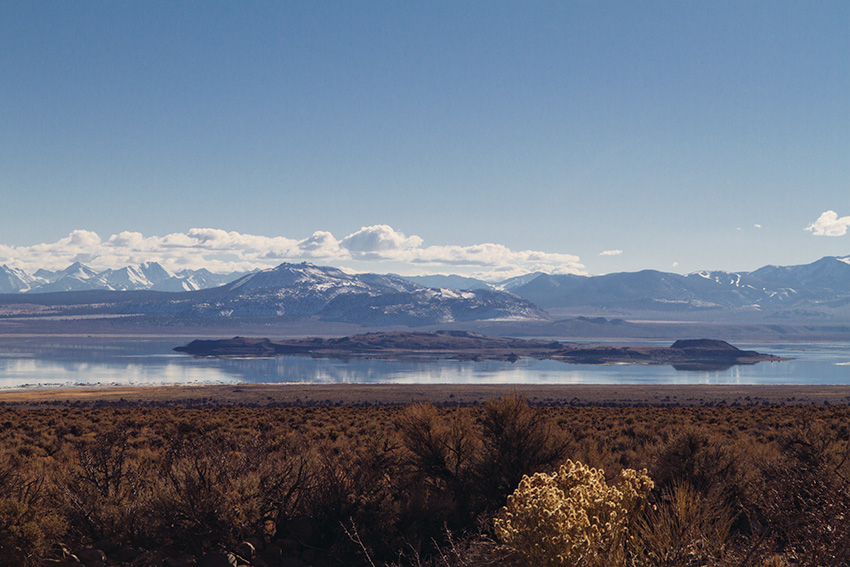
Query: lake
[[82, 361]]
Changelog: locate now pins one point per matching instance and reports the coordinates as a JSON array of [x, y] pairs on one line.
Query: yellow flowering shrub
[[571, 517]]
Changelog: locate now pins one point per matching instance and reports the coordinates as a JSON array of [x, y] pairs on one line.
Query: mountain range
[[821, 287], [78, 277], [816, 291], [287, 292]]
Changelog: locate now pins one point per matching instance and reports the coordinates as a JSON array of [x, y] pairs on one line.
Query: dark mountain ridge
[[459, 345]]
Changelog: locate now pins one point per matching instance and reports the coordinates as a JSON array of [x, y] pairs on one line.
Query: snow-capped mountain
[[73, 278], [296, 280], [451, 282], [13, 280], [827, 274], [511, 283], [143, 276], [193, 280], [823, 283], [79, 277], [306, 290]]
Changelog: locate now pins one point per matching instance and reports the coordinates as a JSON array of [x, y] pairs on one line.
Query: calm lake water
[[90, 362]]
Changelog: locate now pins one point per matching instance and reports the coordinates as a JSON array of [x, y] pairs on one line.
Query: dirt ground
[[381, 394]]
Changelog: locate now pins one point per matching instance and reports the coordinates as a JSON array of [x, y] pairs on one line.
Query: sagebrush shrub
[[571, 517], [516, 439], [27, 521], [686, 527]]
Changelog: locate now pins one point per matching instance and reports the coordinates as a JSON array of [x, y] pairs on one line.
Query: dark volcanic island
[[694, 354]]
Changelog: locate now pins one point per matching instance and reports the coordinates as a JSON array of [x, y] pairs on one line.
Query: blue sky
[[467, 137]]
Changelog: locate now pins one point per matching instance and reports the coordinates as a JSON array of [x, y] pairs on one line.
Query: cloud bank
[[222, 251], [829, 224]]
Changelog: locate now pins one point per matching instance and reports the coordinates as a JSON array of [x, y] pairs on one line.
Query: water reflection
[[151, 362]]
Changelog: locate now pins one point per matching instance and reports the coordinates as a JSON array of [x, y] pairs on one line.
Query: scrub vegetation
[[501, 483]]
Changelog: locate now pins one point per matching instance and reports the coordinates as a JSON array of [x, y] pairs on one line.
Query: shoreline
[[438, 394]]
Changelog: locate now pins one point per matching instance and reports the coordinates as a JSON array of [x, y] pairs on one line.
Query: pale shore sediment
[[357, 394]]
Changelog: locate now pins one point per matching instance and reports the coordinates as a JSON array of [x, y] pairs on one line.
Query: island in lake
[[692, 354]]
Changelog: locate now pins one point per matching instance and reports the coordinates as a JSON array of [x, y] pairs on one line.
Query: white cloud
[[829, 224], [497, 258], [7, 254], [610, 252], [83, 239], [131, 240], [223, 251], [379, 242], [756, 226], [321, 242]]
